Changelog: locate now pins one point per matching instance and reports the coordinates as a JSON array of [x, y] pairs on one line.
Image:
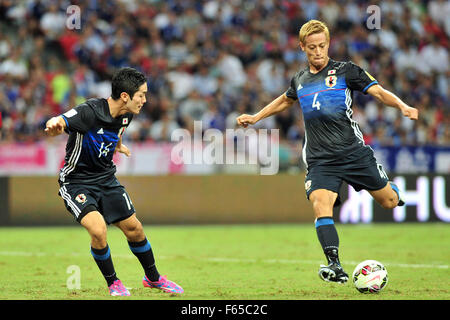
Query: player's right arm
[[79, 119], [55, 126], [278, 105]]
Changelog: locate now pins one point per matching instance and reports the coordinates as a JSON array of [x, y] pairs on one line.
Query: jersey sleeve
[[358, 79], [292, 91], [79, 119]]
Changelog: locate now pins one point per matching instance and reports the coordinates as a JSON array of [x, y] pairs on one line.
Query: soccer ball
[[370, 276]]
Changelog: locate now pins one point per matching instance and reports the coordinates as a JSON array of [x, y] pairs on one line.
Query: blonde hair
[[312, 27]]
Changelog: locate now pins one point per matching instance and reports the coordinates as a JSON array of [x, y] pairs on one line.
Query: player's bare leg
[[387, 197], [323, 201], [141, 248], [132, 229], [96, 227]]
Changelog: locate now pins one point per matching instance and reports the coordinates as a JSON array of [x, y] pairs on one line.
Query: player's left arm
[[122, 148], [388, 98]]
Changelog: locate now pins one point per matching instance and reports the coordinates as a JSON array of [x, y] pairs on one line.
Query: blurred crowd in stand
[[212, 60]]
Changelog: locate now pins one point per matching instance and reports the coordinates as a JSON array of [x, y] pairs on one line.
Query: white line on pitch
[[228, 260], [289, 261]]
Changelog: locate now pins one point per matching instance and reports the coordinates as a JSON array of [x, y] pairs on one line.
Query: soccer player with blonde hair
[[333, 148]]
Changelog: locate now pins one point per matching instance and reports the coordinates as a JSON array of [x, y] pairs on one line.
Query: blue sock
[[104, 262], [328, 238], [397, 191], [143, 251]]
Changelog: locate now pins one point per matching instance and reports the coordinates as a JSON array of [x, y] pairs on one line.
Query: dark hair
[[126, 80]]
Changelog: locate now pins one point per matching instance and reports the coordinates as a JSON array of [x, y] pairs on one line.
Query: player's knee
[[136, 231], [321, 208], [98, 234]]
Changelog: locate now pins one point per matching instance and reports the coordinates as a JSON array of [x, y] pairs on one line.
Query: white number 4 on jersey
[[316, 103]]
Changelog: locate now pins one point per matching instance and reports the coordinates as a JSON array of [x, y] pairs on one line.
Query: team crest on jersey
[[81, 198], [330, 81]]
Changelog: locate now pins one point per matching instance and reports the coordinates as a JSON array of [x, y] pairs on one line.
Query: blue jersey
[[332, 137], [93, 137]]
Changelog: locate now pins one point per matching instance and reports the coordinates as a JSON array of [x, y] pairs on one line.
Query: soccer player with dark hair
[[88, 186], [333, 148]]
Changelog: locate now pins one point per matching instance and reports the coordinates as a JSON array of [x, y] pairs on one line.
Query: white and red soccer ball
[[370, 276]]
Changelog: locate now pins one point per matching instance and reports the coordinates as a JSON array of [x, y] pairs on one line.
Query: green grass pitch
[[228, 262]]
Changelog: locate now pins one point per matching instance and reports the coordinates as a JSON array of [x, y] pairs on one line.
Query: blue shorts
[[359, 175]]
